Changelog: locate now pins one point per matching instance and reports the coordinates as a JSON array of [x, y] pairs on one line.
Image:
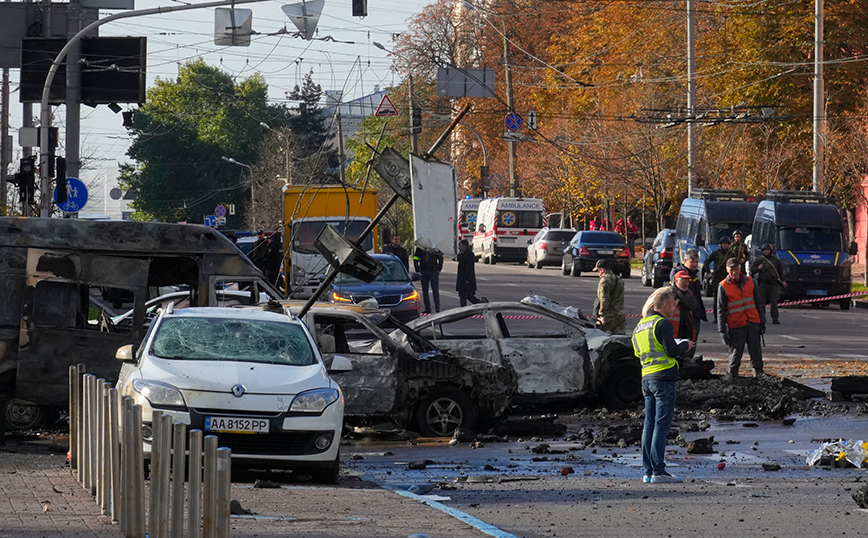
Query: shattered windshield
[[218, 339], [393, 271]]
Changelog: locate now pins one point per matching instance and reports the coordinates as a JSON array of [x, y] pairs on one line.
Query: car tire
[[444, 411], [529, 265], [845, 304], [492, 259], [564, 269], [656, 280], [25, 416], [646, 281], [539, 265], [574, 271], [328, 475], [485, 259], [622, 386], [627, 272]]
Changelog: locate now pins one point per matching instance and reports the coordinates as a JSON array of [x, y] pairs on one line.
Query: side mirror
[[700, 241], [415, 276], [126, 353], [854, 249], [340, 365]]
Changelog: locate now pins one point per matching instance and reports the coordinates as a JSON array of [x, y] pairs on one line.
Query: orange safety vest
[[740, 306]]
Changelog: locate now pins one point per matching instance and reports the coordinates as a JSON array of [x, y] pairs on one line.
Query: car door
[[371, 387], [549, 358], [465, 333]]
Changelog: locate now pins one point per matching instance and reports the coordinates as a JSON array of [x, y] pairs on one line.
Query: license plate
[[605, 252], [236, 425], [506, 239], [559, 251], [817, 292]]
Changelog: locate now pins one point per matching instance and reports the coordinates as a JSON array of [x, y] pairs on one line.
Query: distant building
[[352, 114]]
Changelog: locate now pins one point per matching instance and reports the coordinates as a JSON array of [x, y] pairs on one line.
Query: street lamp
[[286, 140], [514, 189], [252, 197]]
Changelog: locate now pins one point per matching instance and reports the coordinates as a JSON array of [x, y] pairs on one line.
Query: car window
[[521, 323], [601, 237], [465, 327], [221, 339], [393, 271], [559, 236]]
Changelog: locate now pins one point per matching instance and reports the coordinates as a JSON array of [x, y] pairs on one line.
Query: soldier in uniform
[[738, 249], [768, 273], [609, 306], [718, 258]]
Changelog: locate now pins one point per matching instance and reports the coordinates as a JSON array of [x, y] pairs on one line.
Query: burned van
[[64, 281]]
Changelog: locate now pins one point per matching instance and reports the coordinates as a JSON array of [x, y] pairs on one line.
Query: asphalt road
[[806, 332]]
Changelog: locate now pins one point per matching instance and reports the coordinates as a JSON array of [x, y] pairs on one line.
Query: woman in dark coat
[[466, 282]]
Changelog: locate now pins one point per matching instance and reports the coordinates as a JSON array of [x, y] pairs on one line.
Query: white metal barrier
[[106, 455]]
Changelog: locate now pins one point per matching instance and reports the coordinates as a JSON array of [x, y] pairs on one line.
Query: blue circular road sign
[[513, 121], [76, 196]]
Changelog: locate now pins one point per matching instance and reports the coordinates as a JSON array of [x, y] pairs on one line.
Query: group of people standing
[[429, 263], [628, 229]]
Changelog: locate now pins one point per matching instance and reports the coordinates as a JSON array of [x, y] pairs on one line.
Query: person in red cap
[[682, 321]]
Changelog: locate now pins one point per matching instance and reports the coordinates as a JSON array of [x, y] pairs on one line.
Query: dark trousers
[[769, 293], [431, 277], [467, 296], [749, 334]]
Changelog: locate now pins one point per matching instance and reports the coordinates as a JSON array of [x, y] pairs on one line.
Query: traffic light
[[416, 126], [61, 180], [26, 179], [360, 8]]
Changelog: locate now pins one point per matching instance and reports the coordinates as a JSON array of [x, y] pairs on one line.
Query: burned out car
[[411, 382], [557, 354]]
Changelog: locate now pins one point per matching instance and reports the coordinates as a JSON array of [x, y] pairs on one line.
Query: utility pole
[[5, 142], [414, 137], [514, 189], [73, 94], [819, 91], [341, 172], [691, 96]]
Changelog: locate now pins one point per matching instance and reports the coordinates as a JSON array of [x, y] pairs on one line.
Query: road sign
[[395, 170], [221, 221], [220, 211], [531, 119], [210, 220], [512, 136], [386, 107], [76, 196], [513, 121]]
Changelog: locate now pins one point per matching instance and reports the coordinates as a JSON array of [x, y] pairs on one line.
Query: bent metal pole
[[45, 111]]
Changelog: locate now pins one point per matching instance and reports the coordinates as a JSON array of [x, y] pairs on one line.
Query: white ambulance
[[504, 226], [467, 211]]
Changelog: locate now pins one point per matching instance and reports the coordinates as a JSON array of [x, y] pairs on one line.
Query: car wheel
[[539, 265], [646, 280], [564, 269], [627, 272], [492, 258], [623, 384], [574, 271], [444, 411], [845, 304], [329, 475], [656, 280], [485, 259], [24, 416], [529, 265]]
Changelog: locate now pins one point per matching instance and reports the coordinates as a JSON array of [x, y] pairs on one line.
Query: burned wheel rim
[[444, 416], [24, 416]]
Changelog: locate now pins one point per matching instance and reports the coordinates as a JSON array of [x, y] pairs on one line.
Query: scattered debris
[[529, 425], [771, 467], [861, 497], [567, 470], [267, 484], [701, 446], [419, 465], [236, 509], [854, 452], [850, 386], [788, 421], [540, 449]]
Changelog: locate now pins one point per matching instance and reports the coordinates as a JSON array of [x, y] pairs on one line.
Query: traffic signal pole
[[45, 108]]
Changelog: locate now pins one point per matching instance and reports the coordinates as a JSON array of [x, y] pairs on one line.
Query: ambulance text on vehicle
[[467, 211], [504, 226]]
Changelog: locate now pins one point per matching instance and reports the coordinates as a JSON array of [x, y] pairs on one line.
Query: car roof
[[536, 303], [231, 313]]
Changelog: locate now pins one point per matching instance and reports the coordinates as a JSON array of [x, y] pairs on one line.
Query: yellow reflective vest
[[652, 355]]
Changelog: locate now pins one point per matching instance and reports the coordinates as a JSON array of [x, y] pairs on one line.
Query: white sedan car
[[253, 378]]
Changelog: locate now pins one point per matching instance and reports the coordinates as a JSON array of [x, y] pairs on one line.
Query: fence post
[[178, 459], [103, 476], [79, 419], [114, 453], [209, 487], [137, 529], [224, 491], [194, 529], [73, 414]]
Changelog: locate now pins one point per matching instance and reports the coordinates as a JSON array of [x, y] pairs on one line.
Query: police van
[[707, 216], [808, 234], [503, 226]]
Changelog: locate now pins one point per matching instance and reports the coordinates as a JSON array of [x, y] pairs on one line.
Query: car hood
[[370, 289], [221, 376]]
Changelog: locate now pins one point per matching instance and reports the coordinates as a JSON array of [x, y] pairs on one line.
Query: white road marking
[[789, 337]]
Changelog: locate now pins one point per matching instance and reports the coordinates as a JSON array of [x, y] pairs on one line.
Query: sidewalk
[[40, 498]]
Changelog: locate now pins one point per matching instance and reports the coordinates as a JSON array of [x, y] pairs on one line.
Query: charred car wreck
[[62, 280], [411, 381]]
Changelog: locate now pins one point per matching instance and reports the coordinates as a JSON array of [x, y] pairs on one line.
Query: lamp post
[[286, 141], [514, 188], [252, 197]]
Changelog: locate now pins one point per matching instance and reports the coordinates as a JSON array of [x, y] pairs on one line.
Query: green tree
[[180, 136]]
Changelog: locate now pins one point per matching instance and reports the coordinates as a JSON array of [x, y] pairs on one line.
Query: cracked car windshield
[[393, 271], [214, 339]]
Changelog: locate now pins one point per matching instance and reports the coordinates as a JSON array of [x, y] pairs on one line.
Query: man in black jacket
[[691, 266], [429, 263], [465, 284], [396, 249]]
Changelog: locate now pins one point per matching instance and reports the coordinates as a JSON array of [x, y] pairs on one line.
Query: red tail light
[[666, 253], [584, 252], [625, 253], [543, 245]]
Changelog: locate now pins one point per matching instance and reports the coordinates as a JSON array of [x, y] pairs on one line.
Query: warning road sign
[[386, 107]]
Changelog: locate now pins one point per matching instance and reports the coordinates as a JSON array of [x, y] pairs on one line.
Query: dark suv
[[588, 247]]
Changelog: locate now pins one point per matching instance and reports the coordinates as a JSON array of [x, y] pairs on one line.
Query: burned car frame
[[59, 275], [411, 382], [557, 354]]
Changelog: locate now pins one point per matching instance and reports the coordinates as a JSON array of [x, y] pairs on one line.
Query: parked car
[[403, 376], [587, 247], [255, 379], [392, 289], [556, 353], [547, 246], [657, 263]]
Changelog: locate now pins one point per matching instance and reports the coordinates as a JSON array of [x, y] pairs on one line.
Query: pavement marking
[[482, 526], [789, 337]]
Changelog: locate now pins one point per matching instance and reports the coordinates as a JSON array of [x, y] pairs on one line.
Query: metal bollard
[[102, 493], [114, 454], [86, 475], [178, 460], [162, 528], [80, 423], [194, 528], [93, 421], [73, 413], [156, 463], [127, 454], [209, 487], [224, 492], [137, 529]]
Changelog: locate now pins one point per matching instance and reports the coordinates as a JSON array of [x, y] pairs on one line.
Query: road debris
[[854, 452]]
